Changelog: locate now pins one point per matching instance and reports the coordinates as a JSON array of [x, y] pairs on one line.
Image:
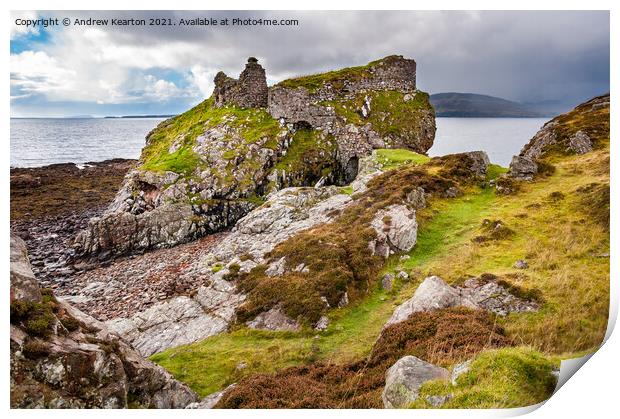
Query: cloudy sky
[[522, 56]]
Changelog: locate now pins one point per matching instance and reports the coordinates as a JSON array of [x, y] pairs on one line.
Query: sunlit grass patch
[[501, 378]]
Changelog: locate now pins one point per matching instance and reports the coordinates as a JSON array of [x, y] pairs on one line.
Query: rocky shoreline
[[72, 195], [51, 204]]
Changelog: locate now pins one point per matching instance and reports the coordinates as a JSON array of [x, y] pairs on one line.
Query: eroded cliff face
[[203, 170], [579, 131], [63, 358]]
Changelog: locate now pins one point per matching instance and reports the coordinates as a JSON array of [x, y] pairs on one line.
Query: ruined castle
[[311, 130], [298, 106], [301, 105]]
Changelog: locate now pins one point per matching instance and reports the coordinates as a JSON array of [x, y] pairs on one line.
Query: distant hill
[[482, 106], [139, 116]]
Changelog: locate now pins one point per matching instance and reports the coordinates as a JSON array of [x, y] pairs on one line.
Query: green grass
[[208, 366], [390, 114], [212, 364], [503, 378], [251, 124], [183, 161], [495, 170], [307, 146], [393, 158]]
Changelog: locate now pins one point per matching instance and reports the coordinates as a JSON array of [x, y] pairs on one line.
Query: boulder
[[77, 362], [404, 379], [521, 264], [24, 285], [274, 319], [396, 229], [432, 294], [387, 282], [523, 168], [478, 162]]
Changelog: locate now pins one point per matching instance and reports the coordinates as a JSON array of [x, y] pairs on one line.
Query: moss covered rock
[[217, 161]]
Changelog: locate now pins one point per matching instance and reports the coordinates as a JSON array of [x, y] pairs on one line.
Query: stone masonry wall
[[250, 91], [295, 105]]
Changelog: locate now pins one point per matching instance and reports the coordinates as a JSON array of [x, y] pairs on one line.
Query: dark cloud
[[519, 55]]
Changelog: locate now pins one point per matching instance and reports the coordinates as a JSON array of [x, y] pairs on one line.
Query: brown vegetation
[[337, 254], [442, 336]]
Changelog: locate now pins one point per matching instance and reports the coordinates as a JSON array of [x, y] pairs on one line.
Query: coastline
[[50, 204]]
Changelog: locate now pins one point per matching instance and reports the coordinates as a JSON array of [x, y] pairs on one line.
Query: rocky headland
[[293, 246]]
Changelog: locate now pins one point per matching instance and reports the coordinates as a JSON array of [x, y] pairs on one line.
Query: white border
[[592, 393]]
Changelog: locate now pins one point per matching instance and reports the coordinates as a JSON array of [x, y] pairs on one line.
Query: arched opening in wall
[[351, 169], [301, 125]]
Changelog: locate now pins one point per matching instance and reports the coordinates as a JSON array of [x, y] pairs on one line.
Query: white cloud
[[161, 90], [37, 72], [202, 78], [21, 30]]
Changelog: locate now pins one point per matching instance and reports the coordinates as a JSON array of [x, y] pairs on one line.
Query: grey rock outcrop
[[559, 135], [24, 285], [432, 294], [204, 181], [121, 232], [181, 320], [522, 167], [481, 293], [580, 143], [396, 229], [79, 363], [274, 319], [210, 311], [404, 379], [490, 295]]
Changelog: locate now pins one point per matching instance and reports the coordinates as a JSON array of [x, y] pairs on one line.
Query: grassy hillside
[[558, 224]]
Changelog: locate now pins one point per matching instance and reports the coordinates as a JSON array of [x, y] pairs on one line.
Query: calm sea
[[39, 142], [501, 138]]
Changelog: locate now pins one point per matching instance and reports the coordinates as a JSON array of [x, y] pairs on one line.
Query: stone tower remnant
[[249, 91]]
